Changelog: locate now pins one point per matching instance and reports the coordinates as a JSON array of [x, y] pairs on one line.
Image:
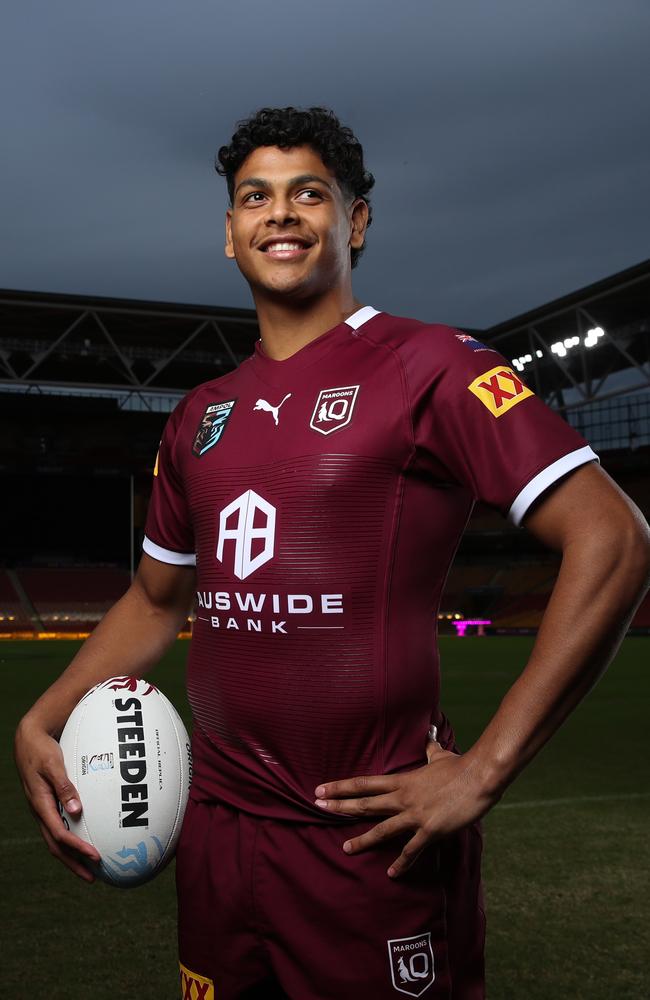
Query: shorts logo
[[195, 987], [411, 964], [333, 409], [252, 532], [499, 390], [213, 424]]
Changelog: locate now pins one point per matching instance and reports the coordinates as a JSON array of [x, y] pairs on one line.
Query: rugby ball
[[128, 754]]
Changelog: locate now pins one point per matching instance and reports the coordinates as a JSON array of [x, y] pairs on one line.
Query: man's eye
[[254, 196], [310, 194]]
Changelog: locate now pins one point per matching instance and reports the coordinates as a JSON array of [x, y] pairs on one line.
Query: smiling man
[[313, 500]]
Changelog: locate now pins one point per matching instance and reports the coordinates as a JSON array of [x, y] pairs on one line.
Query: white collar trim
[[361, 316]]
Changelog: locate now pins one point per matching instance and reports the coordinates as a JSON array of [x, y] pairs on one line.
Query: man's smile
[[285, 248]]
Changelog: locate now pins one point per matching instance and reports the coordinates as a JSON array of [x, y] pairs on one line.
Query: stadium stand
[[87, 383], [75, 599], [13, 616]]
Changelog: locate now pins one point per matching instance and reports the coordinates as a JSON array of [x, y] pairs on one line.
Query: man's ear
[[358, 223], [229, 249]]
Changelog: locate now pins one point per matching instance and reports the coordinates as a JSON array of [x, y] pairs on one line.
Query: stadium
[[86, 386]]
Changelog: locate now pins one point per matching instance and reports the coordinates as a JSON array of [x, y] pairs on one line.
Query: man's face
[[291, 226]]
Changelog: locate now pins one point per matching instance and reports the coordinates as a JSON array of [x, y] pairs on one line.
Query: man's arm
[[605, 571], [130, 639]]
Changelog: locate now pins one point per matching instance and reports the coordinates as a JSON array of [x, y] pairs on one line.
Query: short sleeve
[[480, 421], [168, 531]]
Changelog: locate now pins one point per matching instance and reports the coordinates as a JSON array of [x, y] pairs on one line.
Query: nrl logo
[[411, 964], [333, 409], [213, 424]]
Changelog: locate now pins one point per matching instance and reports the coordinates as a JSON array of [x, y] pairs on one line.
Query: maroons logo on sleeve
[[499, 390], [213, 424]]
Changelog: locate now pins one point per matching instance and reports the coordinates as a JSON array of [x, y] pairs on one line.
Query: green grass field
[[566, 851]]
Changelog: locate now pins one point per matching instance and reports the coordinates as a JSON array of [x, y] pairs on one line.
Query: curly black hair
[[319, 128]]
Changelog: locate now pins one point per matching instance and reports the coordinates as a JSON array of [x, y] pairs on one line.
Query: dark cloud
[[509, 142]]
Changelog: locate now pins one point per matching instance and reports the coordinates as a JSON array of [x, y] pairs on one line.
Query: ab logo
[[334, 409], [248, 522]]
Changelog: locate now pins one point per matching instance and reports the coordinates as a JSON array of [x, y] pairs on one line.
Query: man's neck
[[286, 326]]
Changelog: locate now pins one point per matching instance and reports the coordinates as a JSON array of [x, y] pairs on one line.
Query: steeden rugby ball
[[128, 754]]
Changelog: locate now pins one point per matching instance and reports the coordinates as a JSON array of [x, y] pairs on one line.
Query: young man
[[313, 500]]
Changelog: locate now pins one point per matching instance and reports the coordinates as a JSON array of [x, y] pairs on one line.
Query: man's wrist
[[492, 771]]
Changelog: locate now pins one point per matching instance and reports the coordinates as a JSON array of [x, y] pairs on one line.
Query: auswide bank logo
[[248, 523], [411, 964], [334, 409], [245, 542]]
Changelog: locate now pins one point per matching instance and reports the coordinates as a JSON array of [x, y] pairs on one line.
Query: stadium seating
[[13, 617], [72, 600]]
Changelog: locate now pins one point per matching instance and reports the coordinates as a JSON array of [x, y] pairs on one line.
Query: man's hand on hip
[[430, 802]]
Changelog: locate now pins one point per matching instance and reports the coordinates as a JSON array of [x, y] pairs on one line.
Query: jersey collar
[[271, 370]]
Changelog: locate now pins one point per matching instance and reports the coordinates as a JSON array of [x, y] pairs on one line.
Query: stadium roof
[[142, 348], [565, 364]]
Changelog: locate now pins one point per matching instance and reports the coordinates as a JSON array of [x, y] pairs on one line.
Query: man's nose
[[282, 212]]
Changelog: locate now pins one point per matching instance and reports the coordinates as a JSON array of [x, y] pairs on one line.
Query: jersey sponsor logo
[[247, 522], [194, 986], [213, 424], [262, 404], [473, 343], [499, 390], [280, 612], [334, 409], [411, 964]]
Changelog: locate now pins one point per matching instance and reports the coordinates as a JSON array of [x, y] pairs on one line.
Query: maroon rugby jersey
[[323, 498]]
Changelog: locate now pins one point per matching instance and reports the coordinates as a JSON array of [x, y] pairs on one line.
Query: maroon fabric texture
[[270, 908], [324, 497]]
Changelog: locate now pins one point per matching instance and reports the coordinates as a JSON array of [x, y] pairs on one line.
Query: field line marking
[[535, 803]]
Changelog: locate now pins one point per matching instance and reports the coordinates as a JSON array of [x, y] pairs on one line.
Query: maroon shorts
[[271, 909]]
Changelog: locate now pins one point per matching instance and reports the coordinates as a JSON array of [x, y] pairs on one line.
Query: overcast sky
[[509, 140]]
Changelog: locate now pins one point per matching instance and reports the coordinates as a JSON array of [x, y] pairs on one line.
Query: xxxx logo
[[499, 390], [195, 987]]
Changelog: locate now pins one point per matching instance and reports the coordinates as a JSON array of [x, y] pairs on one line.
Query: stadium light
[[562, 347], [525, 359], [593, 336]]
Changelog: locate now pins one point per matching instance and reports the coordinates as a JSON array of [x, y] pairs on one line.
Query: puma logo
[[262, 404]]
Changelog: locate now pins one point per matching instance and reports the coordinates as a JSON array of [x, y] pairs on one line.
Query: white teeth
[[284, 246]]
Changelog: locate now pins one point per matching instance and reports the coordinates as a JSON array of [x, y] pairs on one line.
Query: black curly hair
[[319, 128]]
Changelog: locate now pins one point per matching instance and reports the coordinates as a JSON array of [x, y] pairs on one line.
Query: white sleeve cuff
[[546, 478], [167, 555]]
